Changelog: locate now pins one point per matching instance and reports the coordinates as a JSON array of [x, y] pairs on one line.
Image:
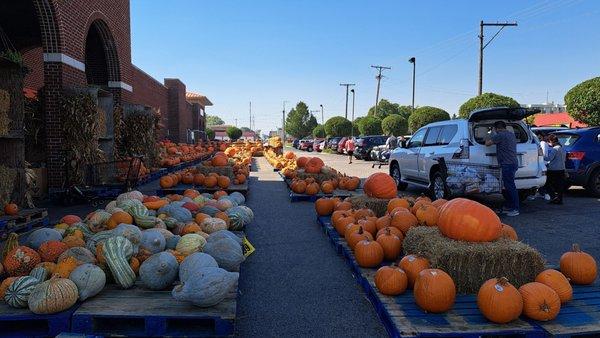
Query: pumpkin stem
[[544, 307], [576, 248], [360, 230], [502, 281], [387, 231]]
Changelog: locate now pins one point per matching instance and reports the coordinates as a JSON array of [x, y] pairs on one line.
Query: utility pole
[[322, 116], [413, 60], [250, 108], [378, 77], [482, 46], [353, 96], [347, 85], [235, 122], [283, 124]]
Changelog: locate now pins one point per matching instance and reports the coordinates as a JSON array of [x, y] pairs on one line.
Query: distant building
[[547, 108], [557, 119]]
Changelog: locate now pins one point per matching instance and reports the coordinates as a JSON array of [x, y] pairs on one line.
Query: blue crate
[[25, 221], [24, 323]]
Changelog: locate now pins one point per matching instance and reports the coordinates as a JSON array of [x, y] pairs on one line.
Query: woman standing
[[350, 148], [555, 157]]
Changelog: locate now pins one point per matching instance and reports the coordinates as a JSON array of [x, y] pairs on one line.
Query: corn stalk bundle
[[139, 135], [35, 130], [7, 184]]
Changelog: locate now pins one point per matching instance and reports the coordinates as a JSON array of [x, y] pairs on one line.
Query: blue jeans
[[510, 193]]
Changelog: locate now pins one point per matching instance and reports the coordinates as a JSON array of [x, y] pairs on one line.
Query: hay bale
[[471, 264], [379, 206]]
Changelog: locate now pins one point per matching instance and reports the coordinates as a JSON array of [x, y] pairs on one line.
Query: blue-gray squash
[[215, 236], [117, 252], [207, 287], [132, 233], [226, 251], [238, 197], [172, 242], [159, 271], [40, 272], [153, 241], [90, 280], [41, 236], [194, 262]]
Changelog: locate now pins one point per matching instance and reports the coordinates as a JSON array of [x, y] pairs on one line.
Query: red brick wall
[[180, 111], [34, 60], [149, 92]]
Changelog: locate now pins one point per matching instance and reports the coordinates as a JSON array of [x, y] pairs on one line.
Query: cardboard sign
[[247, 247]]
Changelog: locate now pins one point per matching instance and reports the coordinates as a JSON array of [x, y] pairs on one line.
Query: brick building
[[87, 44]]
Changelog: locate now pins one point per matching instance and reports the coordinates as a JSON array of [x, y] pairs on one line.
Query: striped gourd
[[147, 222], [98, 238], [117, 252], [52, 296], [137, 210], [18, 292], [40, 273], [171, 222], [87, 233]]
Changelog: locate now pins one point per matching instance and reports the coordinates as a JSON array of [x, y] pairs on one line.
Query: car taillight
[[576, 155]]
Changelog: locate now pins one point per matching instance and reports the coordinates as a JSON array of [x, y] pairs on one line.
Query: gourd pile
[[156, 241], [245, 150], [275, 142], [376, 240], [172, 154], [284, 162]]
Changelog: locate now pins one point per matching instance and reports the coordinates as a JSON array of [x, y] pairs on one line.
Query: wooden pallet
[[181, 188], [26, 220], [144, 313], [24, 323]]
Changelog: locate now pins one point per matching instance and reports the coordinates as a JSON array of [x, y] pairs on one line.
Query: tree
[[300, 122], [370, 125], [583, 102], [212, 120], [234, 133], [395, 125], [426, 115], [405, 111], [356, 124], [486, 100], [210, 134], [319, 131], [338, 126], [245, 129], [384, 108]]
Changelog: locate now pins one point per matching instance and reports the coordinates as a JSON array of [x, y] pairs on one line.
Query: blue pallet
[[402, 318], [27, 220], [24, 323], [181, 188]]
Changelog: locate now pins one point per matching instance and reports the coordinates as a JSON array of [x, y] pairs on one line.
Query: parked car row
[[363, 145]]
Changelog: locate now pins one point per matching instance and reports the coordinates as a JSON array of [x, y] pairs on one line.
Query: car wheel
[[593, 185], [438, 188], [309, 149], [395, 173]]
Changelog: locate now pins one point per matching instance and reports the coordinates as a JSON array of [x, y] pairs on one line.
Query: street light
[[353, 96], [413, 60], [322, 118]]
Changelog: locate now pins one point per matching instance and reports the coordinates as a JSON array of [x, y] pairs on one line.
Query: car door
[[408, 161], [427, 152]]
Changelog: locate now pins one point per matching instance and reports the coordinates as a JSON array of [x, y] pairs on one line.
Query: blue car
[[583, 157]]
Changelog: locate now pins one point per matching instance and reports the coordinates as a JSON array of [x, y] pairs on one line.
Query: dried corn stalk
[[139, 135], [7, 183]]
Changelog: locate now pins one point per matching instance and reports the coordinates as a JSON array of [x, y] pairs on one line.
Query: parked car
[[544, 131], [296, 143], [464, 141], [306, 145], [583, 157], [333, 143], [318, 144], [365, 144], [341, 145]]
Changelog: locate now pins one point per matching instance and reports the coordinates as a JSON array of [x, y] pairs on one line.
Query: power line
[[380, 69], [482, 46], [347, 85]]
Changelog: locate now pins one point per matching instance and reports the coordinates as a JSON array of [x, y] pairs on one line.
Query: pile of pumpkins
[[275, 142], [194, 177], [375, 240], [312, 185], [245, 149], [172, 154], [283, 162], [184, 240]]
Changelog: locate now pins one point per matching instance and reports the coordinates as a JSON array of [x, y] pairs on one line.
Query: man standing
[[506, 153], [392, 142]]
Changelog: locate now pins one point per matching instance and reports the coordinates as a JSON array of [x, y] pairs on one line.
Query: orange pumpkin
[[580, 267], [70, 219], [210, 181], [314, 165], [166, 182], [20, 260], [299, 187], [413, 265], [368, 224], [301, 161], [392, 230], [380, 185], [499, 301], [418, 204], [558, 282], [540, 302], [391, 280], [66, 266], [312, 189], [427, 215], [391, 244], [49, 251], [352, 183], [73, 241], [344, 205], [155, 205], [434, 291], [219, 194], [327, 187], [404, 220], [11, 209], [219, 160], [509, 232], [187, 178], [223, 182], [439, 203], [383, 221], [368, 253], [241, 179], [363, 213], [397, 202], [134, 263], [340, 225], [118, 218], [200, 217], [353, 237], [199, 179], [324, 206], [466, 220], [190, 228]]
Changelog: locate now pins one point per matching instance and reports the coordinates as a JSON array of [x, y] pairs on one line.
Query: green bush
[[338, 126], [583, 102], [319, 131], [486, 100], [425, 115], [394, 125], [210, 134], [234, 133], [370, 125]]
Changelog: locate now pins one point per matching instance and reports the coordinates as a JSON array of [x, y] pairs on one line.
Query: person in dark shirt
[[506, 153]]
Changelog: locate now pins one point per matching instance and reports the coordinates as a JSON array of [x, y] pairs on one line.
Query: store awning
[[198, 98]]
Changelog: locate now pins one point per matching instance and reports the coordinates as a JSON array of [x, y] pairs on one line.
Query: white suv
[[463, 141]]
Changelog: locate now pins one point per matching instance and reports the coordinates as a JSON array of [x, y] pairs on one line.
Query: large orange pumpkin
[[353, 237], [391, 280], [118, 218], [380, 185], [391, 244], [558, 282], [413, 265], [327, 187], [312, 189], [198, 179], [580, 267], [509, 232], [383, 221], [210, 181], [368, 253], [434, 291], [466, 220], [499, 301], [219, 161], [404, 220], [187, 178], [11, 209], [540, 302], [223, 182], [324, 206], [299, 187], [166, 182], [314, 165], [301, 161], [427, 215]]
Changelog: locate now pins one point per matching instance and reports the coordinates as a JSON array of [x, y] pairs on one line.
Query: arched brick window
[[101, 59]]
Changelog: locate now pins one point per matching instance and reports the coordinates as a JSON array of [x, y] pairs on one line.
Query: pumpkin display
[[89, 279], [11, 209], [509, 232], [578, 266], [434, 291], [499, 301], [391, 280], [17, 293], [404, 220], [53, 296], [117, 252], [190, 243], [20, 261], [118, 218], [324, 206], [159, 271], [466, 220], [380, 185], [558, 282], [368, 253], [540, 302], [226, 251], [353, 237], [205, 287], [427, 215], [413, 265], [391, 245]]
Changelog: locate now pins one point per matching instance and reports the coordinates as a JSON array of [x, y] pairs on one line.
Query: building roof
[[557, 119], [198, 98]]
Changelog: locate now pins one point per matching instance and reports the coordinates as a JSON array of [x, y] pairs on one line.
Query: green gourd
[[209, 210], [238, 197], [90, 280], [148, 222], [117, 252], [81, 255], [159, 271], [206, 287], [99, 237], [53, 296], [40, 273], [18, 292], [190, 243]]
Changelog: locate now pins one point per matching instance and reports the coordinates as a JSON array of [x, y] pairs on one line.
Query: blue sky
[[268, 51]]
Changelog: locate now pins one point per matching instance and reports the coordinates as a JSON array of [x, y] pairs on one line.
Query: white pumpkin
[[213, 224], [190, 243]]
